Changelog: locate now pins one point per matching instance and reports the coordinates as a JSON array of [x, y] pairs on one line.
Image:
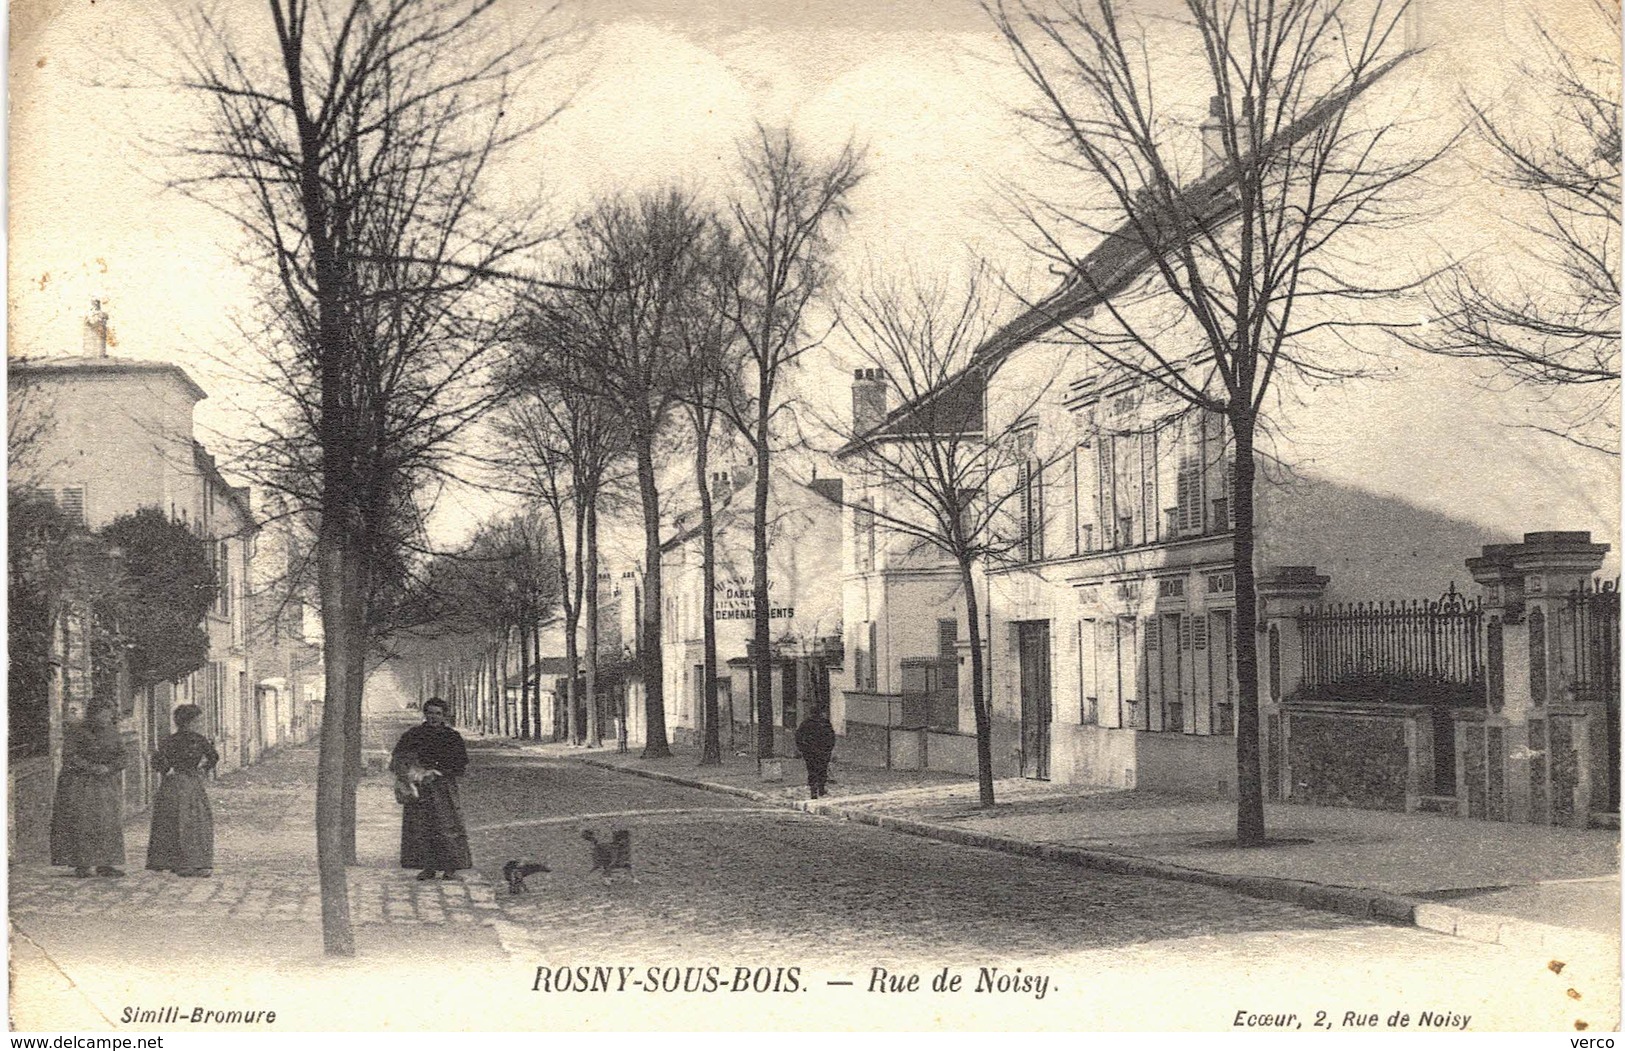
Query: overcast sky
[[662, 91]]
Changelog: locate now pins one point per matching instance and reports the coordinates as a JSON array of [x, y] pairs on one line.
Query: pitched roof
[[1113, 265]]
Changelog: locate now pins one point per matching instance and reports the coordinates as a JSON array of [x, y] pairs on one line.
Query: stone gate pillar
[[1283, 591], [1533, 725]]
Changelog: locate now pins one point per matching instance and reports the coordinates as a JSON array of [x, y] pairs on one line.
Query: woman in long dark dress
[[182, 839], [87, 826], [432, 755]]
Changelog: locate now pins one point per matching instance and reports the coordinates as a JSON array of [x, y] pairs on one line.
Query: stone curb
[[1357, 902]]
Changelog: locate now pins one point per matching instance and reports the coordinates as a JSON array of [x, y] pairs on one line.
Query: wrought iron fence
[[1593, 621], [1397, 643], [1593, 618]]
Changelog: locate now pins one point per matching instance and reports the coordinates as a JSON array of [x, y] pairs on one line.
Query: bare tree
[[1206, 290], [350, 139], [28, 429], [783, 221], [1547, 318], [938, 473], [710, 370], [634, 262], [565, 441]]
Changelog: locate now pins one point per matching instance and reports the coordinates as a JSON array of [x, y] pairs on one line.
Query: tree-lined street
[[725, 882], [1203, 348]]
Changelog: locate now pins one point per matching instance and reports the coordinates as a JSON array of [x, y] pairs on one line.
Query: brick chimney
[[868, 400], [1213, 157], [96, 331]]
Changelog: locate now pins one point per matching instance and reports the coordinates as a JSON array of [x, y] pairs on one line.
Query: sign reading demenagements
[[736, 600]]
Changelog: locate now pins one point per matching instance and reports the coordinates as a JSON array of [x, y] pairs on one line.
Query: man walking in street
[[815, 738]]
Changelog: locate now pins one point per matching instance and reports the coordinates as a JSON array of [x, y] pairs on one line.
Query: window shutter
[[874, 670], [1106, 480], [71, 502], [1230, 493], [1148, 485], [1036, 530]]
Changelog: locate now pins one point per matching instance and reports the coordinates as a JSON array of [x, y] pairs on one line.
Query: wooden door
[[1033, 643]]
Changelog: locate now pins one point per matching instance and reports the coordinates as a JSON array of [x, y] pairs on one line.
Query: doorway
[[1033, 644]]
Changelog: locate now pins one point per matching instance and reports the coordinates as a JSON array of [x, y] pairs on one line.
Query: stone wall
[[1188, 765], [1337, 759]]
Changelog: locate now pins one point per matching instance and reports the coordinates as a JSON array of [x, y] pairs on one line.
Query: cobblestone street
[[726, 882]]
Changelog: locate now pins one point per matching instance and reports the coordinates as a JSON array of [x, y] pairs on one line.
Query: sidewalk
[[1524, 886], [250, 936]]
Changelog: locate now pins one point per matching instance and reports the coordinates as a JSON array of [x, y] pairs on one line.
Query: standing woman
[[182, 839], [432, 757], [87, 827]]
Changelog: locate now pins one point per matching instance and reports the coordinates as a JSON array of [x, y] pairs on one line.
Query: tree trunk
[[504, 711], [524, 678], [762, 681], [650, 658], [570, 599], [711, 741], [352, 754], [595, 732], [978, 685], [536, 691], [492, 726], [1249, 780], [343, 631]]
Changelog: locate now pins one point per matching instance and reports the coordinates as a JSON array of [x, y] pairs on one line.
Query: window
[[1148, 487], [1106, 501], [863, 536], [1129, 673], [1221, 671], [1189, 493], [874, 656], [225, 579], [70, 500], [864, 673], [1220, 475], [1107, 680], [1030, 492], [1129, 481], [1088, 673], [1174, 669], [72, 503], [945, 704]]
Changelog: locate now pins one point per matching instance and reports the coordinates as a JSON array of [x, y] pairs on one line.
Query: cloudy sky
[[661, 90]]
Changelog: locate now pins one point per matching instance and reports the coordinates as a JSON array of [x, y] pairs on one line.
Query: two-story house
[[1111, 624], [804, 607], [112, 435]]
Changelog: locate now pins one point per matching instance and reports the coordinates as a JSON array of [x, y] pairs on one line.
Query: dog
[[612, 857], [410, 776], [515, 872]]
